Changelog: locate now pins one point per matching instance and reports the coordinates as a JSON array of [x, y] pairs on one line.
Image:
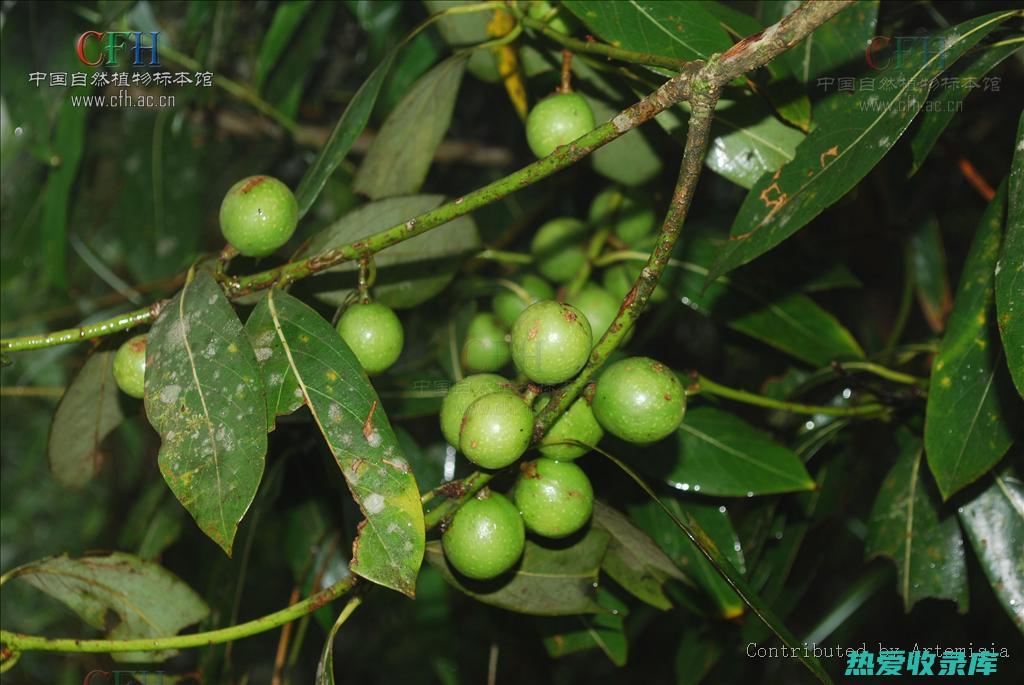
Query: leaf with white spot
[[389, 547], [283, 393], [205, 398]]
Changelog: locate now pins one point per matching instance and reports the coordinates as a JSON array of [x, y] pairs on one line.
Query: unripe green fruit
[[374, 334], [639, 400], [258, 215], [599, 306], [551, 342], [627, 212], [618, 279], [577, 423], [486, 347], [496, 430], [508, 305], [130, 366], [557, 120], [485, 537], [555, 498], [461, 395], [555, 19], [557, 248]]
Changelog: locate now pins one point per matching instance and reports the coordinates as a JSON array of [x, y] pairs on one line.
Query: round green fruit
[[557, 248], [599, 306], [485, 537], [557, 120], [258, 215], [639, 400], [555, 18], [130, 366], [555, 498], [486, 346], [618, 280], [508, 305], [461, 395], [374, 334], [627, 212], [496, 430], [551, 342], [577, 423]]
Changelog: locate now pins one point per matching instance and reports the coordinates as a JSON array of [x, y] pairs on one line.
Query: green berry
[[486, 347], [557, 120], [557, 248], [577, 423], [374, 334], [463, 394], [555, 498], [508, 305], [627, 212], [485, 537], [551, 342], [555, 18], [496, 430], [599, 306], [130, 366], [258, 215], [618, 280], [639, 400]]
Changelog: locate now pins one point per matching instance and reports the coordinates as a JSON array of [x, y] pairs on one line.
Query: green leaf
[[284, 89], [400, 157], [633, 560], [88, 412], [994, 523], [967, 420], [931, 278], [351, 123], [945, 103], [720, 454], [833, 46], [605, 631], [554, 578], [205, 399], [68, 145], [1010, 268], [854, 132], [788, 320], [466, 30], [909, 526], [388, 549], [282, 389], [408, 273], [697, 654], [325, 669], [287, 18], [120, 594], [714, 521], [631, 159], [671, 28]]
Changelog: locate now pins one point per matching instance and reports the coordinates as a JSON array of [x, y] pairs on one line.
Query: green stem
[[506, 257], [709, 387], [593, 250], [885, 372], [460, 492], [602, 49]]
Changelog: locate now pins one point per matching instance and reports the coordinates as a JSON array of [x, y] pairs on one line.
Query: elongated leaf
[[389, 547], [550, 580], [837, 44], [408, 273], [944, 105], [466, 30], [931, 278], [282, 389], [854, 132], [87, 413], [67, 149], [671, 28], [350, 125], [289, 78], [714, 520], [1010, 268], [633, 560], [325, 669], [605, 631], [967, 421], [994, 523], [400, 157], [287, 18], [728, 571], [205, 399], [909, 526], [147, 600], [788, 320], [720, 454]]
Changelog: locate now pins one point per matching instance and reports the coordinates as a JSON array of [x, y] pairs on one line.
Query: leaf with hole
[[205, 398]]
